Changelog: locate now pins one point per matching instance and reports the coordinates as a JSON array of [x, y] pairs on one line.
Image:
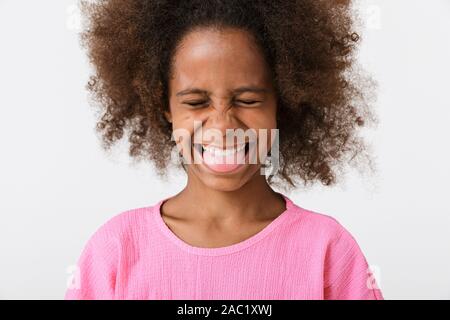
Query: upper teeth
[[221, 152]]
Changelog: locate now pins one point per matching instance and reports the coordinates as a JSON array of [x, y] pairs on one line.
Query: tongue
[[224, 163]]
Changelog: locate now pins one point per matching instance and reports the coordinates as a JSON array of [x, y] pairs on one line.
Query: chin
[[226, 182]]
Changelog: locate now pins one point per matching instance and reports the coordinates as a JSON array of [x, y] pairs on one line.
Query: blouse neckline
[[216, 251]]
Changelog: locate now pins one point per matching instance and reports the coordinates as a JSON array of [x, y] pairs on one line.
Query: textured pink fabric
[[299, 255]]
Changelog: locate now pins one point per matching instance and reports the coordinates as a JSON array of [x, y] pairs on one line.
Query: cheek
[[182, 132], [265, 125], [259, 119]]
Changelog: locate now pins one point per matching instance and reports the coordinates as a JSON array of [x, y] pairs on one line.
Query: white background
[[57, 186]]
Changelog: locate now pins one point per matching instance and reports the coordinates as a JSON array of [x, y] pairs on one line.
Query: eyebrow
[[235, 91]]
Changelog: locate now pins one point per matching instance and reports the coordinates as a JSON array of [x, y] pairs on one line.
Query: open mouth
[[223, 160], [221, 152]]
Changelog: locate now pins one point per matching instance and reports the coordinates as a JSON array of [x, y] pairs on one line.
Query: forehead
[[225, 57]]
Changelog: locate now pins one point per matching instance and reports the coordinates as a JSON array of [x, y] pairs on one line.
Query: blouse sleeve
[[95, 273], [347, 274]]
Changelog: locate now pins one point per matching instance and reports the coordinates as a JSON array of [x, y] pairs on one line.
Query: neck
[[254, 200]]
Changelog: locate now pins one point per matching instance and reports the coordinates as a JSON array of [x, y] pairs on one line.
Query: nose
[[222, 116]]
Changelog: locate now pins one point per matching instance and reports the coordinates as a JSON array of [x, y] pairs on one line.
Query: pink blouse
[[300, 255]]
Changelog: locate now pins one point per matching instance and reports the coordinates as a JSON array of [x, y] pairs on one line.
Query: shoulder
[[122, 230], [326, 236], [345, 265], [320, 227], [97, 266], [123, 225]]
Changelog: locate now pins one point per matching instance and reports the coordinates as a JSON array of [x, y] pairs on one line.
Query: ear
[[168, 116]]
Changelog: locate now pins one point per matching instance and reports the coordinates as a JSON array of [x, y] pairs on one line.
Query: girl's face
[[220, 80]]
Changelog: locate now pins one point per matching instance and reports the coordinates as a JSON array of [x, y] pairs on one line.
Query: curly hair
[[310, 46]]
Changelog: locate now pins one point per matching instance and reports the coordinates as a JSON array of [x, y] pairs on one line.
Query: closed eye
[[248, 102], [196, 103], [201, 103]]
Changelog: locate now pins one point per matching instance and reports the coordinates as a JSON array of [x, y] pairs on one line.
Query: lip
[[236, 170]]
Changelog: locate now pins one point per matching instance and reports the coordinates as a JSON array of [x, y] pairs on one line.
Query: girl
[[169, 70]]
